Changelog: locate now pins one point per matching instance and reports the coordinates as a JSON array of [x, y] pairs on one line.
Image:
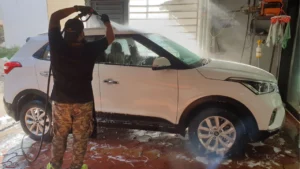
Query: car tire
[[35, 108], [204, 139]]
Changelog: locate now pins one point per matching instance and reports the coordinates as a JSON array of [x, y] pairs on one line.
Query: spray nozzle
[[82, 14], [95, 13]]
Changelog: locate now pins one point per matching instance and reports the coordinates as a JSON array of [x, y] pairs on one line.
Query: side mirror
[[161, 63]]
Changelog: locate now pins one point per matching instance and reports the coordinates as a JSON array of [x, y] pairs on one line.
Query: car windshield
[[175, 49]]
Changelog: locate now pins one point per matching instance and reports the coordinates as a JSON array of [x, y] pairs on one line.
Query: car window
[[46, 55], [39, 53], [127, 51], [124, 46], [175, 49]]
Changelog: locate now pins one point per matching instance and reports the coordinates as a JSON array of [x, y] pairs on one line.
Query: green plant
[[8, 52], [1, 34]]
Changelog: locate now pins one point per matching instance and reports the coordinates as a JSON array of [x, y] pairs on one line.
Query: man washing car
[[73, 60]]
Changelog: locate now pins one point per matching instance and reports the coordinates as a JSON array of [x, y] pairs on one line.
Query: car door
[[128, 84], [42, 71]]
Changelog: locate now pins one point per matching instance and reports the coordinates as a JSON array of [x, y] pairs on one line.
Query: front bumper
[[268, 110], [9, 109], [279, 118]]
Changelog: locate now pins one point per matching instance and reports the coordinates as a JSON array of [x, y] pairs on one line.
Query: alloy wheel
[[34, 120], [216, 134]]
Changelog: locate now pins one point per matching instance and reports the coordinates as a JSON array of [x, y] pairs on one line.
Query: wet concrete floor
[[138, 149]]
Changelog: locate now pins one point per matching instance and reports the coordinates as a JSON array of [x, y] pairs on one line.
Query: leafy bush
[[1, 34], [8, 52]]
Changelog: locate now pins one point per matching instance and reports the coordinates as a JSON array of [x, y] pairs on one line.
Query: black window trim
[[175, 62]]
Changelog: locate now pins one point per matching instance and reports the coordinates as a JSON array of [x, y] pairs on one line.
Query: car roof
[[120, 30]]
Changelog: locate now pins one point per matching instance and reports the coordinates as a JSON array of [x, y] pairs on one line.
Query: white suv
[[148, 82]]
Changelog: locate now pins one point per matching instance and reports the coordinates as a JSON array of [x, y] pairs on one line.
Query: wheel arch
[[24, 97], [238, 108]]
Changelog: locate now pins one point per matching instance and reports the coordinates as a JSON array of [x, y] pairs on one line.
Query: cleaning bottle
[[258, 50]]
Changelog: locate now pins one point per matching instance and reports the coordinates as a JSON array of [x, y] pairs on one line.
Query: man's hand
[[84, 9], [105, 18]]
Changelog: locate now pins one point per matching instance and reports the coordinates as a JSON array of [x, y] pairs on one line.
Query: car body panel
[[192, 86], [140, 91], [22, 78], [221, 70]]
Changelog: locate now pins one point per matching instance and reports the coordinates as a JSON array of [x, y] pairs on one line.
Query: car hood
[[221, 70]]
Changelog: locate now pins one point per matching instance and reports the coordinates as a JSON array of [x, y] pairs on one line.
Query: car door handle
[[45, 73], [110, 81]]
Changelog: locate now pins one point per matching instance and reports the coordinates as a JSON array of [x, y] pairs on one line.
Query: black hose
[[44, 126]]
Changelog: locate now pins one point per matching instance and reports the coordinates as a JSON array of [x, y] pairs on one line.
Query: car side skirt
[[115, 120]]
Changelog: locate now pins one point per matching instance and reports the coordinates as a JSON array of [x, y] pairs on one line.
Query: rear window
[[38, 54]]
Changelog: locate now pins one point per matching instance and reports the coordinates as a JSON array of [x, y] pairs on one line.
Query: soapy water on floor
[[145, 149]]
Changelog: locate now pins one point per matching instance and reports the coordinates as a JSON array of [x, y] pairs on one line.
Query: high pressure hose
[[44, 124], [79, 16]]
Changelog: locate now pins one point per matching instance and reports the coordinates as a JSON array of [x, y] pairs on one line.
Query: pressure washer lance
[[80, 17]]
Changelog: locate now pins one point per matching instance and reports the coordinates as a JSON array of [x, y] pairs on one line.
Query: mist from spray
[[95, 22], [149, 27], [219, 30], [227, 31]]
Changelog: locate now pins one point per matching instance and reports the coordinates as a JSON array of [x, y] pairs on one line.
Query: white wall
[[54, 5], [22, 19]]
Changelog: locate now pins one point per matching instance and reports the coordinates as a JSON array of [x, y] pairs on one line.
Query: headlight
[[257, 87]]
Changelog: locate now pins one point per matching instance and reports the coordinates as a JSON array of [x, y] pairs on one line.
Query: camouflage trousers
[[67, 117]]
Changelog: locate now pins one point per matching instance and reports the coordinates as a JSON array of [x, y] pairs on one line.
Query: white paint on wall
[[54, 5], [23, 19]]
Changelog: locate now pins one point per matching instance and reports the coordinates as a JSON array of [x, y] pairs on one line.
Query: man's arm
[[110, 36], [59, 15]]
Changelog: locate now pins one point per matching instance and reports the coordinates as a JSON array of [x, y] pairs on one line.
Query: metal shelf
[[263, 17]]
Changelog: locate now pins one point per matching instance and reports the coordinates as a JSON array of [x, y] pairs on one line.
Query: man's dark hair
[[73, 29]]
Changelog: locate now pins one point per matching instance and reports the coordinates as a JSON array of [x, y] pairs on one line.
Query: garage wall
[[54, 5], [294, 81], [175, 19], [117, 10], [22, 19], [226, 40]]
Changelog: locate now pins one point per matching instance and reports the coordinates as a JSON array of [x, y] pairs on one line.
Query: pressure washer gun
[[85, 11]]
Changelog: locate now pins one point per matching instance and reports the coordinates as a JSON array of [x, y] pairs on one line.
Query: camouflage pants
[[79, 118]]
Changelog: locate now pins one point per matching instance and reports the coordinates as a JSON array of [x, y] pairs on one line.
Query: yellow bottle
[[258, 49]]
